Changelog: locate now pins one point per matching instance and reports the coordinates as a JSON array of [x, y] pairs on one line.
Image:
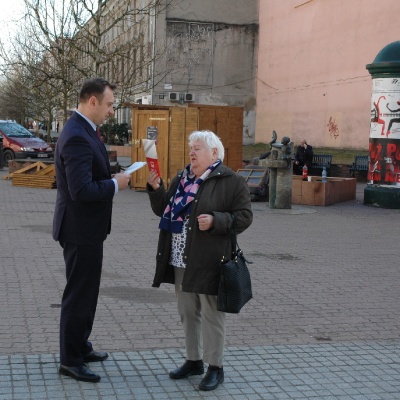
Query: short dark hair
[[94, 87]]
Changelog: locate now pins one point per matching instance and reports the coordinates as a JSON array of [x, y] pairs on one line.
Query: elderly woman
[[196, 216]]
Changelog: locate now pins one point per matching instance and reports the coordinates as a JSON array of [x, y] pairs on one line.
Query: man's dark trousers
[[79, 301]]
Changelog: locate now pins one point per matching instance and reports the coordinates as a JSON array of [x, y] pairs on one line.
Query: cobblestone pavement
[[323, 323]]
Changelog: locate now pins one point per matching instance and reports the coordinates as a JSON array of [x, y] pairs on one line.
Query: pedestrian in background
[[196, 217], [82, 221], [303, 157]]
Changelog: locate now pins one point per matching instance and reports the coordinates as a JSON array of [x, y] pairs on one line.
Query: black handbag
[[234, 289]]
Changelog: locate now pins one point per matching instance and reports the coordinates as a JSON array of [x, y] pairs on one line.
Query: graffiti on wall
[[333, 128], [190, 49]]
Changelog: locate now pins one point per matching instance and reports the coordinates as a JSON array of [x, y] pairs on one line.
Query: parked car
[[18, 142]]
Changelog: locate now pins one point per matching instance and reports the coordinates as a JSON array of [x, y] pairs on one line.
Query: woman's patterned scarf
[[180, 204]]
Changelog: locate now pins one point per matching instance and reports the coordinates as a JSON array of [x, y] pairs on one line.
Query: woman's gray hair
[[210, 139]]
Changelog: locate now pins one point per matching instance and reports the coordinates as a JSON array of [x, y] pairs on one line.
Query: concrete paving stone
[[279, 396], [6, 394], [252, 397]]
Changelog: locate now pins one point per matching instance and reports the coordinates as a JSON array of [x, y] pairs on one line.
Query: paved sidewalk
[[323, 323], [326, 371]]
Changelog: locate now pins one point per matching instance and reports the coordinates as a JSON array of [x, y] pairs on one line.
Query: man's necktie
[[99, 134]]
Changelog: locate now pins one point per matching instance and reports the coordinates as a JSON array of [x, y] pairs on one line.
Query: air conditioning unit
[[146, 99], [189, 96], [173, 96]]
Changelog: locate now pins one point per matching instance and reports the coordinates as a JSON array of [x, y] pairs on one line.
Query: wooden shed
[[171, 126]]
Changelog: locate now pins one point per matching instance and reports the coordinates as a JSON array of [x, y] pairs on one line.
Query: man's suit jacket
[[84, 187]]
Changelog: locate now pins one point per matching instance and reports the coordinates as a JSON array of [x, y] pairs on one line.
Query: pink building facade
[[312, 82]]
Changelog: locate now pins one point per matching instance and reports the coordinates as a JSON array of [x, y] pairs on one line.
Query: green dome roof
[[387, 62]]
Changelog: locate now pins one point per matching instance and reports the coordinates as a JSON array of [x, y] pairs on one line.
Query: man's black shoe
[[95, 356], [82, 373], [213, 378], [188, 368]]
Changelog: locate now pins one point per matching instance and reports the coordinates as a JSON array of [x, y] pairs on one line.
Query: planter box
[[318, 193]]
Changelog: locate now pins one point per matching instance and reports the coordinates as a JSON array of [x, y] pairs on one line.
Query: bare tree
[[62, 42], [14, 98], [40, 49], [116, 40]]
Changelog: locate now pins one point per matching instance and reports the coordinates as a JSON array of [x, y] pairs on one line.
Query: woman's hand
[[154, 180], [205, 221]]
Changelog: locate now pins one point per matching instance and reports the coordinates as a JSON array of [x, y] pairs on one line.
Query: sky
[[9, 10]]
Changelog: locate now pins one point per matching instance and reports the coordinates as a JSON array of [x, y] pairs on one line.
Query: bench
[[114, 164], [320, 161], [257, 178], [360, 164]]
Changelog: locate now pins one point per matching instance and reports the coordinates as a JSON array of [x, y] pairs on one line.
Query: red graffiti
[[333, 128]]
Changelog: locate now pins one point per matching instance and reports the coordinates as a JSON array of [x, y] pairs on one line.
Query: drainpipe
[[154, 52]]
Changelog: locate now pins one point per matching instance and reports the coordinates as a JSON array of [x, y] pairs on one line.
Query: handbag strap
[[233, 239], [232, 233], [236, 250]]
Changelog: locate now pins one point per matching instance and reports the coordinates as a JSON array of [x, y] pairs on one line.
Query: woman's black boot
[[214, 377], [188, 368]]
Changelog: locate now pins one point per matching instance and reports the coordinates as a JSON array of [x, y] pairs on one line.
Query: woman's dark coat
[[221, 194]]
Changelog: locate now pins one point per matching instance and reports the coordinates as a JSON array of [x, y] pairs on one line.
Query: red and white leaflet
[[150, 151]]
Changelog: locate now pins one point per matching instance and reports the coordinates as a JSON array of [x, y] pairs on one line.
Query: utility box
[[171, 127]]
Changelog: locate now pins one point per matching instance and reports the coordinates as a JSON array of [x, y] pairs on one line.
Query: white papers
[[134, 167]]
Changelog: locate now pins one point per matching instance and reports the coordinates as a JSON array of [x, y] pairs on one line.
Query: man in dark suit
[[82, 221]]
